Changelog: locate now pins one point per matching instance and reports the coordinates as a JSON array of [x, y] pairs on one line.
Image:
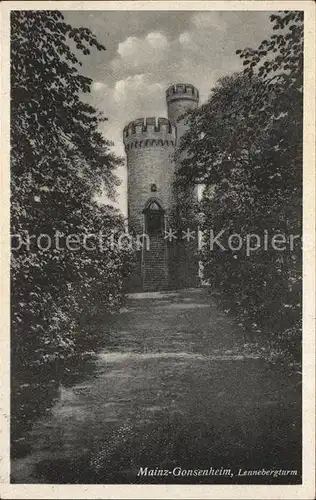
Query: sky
[[146, 51]]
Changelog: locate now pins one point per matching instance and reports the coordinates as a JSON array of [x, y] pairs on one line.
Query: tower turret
[[181, 97]]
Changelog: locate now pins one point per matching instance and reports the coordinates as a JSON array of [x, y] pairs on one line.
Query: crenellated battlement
[[148, 132], [182, 91], [150, 125]]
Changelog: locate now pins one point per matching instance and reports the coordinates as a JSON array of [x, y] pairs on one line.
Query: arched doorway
[[154, 217]]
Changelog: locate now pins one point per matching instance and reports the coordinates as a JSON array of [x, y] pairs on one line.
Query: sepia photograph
[[156, 245]]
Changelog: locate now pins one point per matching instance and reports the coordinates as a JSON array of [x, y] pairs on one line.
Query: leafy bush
[[245, 146], [59, 163]]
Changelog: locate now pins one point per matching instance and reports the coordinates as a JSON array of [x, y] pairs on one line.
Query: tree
[[245, 146], [59, 163]]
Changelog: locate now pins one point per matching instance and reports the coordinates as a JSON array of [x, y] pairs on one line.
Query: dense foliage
[[60, 162], [245, 146]]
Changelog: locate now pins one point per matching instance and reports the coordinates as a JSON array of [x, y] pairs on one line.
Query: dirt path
[[175, 388]]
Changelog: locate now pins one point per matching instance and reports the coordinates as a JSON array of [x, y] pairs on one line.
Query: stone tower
[[150, 144]]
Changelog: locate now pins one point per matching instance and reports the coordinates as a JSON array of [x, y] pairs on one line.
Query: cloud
[[185, 38], [206, 20], [129, 47], [133, 45], [143, 90], [193, 55], [136, 53], [157, 40], [131, 84], [98, 86]]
